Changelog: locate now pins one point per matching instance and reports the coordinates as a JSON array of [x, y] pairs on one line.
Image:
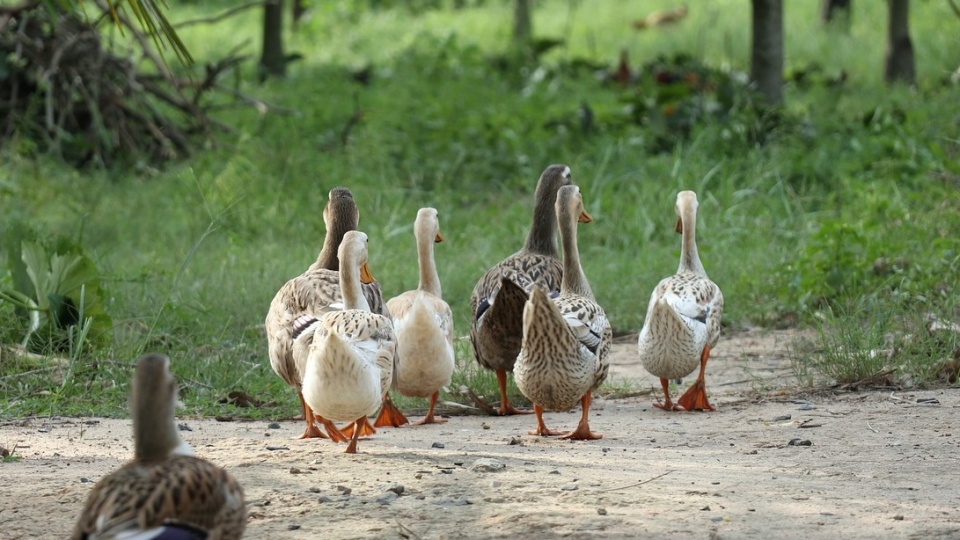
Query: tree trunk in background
[[898, 65], [766, 57], [298, 10], [836, 9], [522, 23], [272, 61]]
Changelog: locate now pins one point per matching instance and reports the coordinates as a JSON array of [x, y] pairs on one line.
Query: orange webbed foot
[[582, 433], [695, 398], [668, 405], [366, 429], [312, 432], [542, 429], [390, 415]]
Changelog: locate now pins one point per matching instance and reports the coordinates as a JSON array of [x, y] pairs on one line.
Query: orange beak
[[679, 226], [365, 277], [438, 239], [584, 217]]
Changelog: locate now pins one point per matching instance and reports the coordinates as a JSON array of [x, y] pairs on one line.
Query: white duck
[[424, 326], [498, 298], [165, 492], [314, 292], [565, 341], [683, 318], [349, 353]]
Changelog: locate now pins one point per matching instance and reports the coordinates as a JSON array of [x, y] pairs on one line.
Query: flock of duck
[[334, 339]]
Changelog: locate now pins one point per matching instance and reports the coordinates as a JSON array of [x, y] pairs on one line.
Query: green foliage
[[837, 210], [871, 343], [57, 288]]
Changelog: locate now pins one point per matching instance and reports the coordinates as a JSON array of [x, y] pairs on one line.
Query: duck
[[165, 491], [498, 298], [567, 339], [349, 353], [683, 317], [315, 292], [423, 323]]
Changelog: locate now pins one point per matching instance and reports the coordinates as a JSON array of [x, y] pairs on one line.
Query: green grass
[[793, 212]]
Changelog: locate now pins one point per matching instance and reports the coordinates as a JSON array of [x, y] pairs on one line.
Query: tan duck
[[423, 323], [683, 318], [165, 492], [349, 353], [566, 340], [498, 298], [314, 292]]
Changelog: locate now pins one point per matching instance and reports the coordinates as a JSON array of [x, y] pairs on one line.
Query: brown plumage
[[164, 486], [565, 341], [315, 292], [498, 298]]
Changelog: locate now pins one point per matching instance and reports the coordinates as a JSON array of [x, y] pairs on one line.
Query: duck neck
[[689, 257], [574, 281], [154, 431], [429, 279], [350, 288], [542, 237], [331, 242]]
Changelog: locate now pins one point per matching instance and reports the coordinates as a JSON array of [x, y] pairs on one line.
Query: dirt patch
[[767, 464]]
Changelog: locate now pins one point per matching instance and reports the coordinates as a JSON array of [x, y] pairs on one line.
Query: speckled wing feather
[[368, 333], [695, 297], [565, 346], [496, 339], [314, 292], [589, 325], [180, 490]]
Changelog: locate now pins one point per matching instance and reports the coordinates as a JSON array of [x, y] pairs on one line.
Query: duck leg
[[695, 398], [429, 418], [505, 408], [583, 433], [668, 404], [541, 427], [311, 431], [352, 447], [335, 434], [390, 415]]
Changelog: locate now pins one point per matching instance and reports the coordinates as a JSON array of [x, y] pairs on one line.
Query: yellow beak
[[584, 217], [438, 239], [365, 276]]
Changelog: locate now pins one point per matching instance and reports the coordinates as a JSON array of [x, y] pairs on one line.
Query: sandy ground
[[769, 463]]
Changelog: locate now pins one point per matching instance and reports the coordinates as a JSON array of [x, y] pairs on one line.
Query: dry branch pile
[[68, 93]]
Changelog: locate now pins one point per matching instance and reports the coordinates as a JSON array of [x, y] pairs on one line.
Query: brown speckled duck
[[423, 323], [315, 292], [683, 318], [350, 352], [566, 340], [498, 298], [165, 492]]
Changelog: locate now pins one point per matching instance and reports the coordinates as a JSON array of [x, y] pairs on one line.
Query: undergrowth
[[838, 212]]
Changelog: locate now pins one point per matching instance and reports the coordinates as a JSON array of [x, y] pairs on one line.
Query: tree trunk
[[297, 11], [522, 23], [766, 57], [272, 61], [836, 9], [898, 65]]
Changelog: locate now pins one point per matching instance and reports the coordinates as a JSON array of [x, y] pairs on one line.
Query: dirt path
[[767, 464]]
